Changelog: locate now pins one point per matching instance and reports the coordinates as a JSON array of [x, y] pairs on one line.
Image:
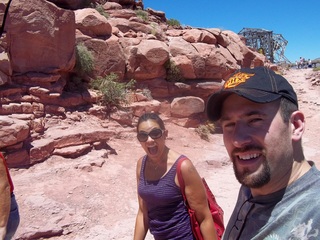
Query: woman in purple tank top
[[161, 206]]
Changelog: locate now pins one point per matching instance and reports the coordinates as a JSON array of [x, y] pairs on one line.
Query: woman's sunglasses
[[154, 134]]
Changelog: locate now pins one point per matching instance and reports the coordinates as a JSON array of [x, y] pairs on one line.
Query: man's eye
[[254, 120], [228, 125]]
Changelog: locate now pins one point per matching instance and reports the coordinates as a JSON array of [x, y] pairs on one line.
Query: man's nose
[[241, 135]]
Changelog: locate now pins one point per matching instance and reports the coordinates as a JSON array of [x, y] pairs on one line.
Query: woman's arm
[[141, 226], [5, 199], [197, 199]]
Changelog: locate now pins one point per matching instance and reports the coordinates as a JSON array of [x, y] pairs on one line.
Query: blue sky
[[297, 21]]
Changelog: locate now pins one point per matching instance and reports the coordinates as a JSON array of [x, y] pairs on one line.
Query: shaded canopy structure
[[266, 42]]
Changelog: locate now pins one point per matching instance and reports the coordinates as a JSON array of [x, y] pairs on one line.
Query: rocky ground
[[94, 196]]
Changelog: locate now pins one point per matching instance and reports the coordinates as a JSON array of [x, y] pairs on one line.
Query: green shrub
[[154, 29], [142, 15], [173, 22], [211, 127], [173, 72], [204, 130], [316, 69], [93, 3], [84, 60], [101, 10], [147, 93], [113, 92]]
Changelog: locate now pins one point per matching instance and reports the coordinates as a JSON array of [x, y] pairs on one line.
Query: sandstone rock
[[90, 22], [138, 108], [18, 158], [122, 117], [109, 57], [12, 131], [41, 150], [38, 125], [31, 34], [72, 151], [186, 106], [146, 60], [122, 13], [112, 6], [198, 35]]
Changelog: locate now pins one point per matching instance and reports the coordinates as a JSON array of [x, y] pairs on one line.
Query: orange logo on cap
[[237, 79]]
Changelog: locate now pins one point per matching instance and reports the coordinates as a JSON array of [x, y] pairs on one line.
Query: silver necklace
[[154, 165]]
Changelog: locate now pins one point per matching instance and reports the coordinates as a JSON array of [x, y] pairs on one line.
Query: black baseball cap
[[260, 85]]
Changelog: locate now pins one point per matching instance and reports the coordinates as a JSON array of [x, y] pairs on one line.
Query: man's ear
[[298, 125]]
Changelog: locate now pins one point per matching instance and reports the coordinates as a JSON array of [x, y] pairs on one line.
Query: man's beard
[[253, 180]]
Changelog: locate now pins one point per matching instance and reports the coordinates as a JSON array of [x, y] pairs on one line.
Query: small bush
[[210, 126], [142, 15], [204, 130], [101, 10], [147, 93], [113, 92], [93, 3], [154, 29], [173, 22], [316, 69], [84, 60], [173, 72]]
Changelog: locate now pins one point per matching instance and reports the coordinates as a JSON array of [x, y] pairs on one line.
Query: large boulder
[[186, 106], [146, 60], [90, 22], [108, 55], [41, 36]]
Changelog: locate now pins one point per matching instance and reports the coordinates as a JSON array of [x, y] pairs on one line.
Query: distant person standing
[[301, 62], [309, 63]]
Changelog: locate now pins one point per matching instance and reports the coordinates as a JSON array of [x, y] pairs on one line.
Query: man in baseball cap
[[262, 130], [260, 85]]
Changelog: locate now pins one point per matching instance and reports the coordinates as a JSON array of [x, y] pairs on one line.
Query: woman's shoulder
[[140, 161], [186, 162], [174, 155]]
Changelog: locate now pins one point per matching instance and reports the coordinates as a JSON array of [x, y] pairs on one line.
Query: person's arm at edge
[[197, 199], [141, 225], [5, 199]]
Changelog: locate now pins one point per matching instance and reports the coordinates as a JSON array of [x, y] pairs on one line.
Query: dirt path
[[94, 196]]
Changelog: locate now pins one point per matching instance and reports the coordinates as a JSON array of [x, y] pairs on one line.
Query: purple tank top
[[168, 216]]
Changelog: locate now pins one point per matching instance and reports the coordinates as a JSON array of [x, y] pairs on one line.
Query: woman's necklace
[[154, 165]]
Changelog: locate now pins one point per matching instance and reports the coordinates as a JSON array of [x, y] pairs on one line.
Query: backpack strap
[[179, 175]]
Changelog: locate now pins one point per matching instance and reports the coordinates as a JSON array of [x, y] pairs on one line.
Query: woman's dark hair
[[151, 116], [286, 109]]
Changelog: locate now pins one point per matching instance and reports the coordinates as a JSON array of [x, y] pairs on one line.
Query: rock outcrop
[[39, 81]]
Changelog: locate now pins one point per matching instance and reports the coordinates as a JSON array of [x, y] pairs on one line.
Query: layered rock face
[[38, 80]]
